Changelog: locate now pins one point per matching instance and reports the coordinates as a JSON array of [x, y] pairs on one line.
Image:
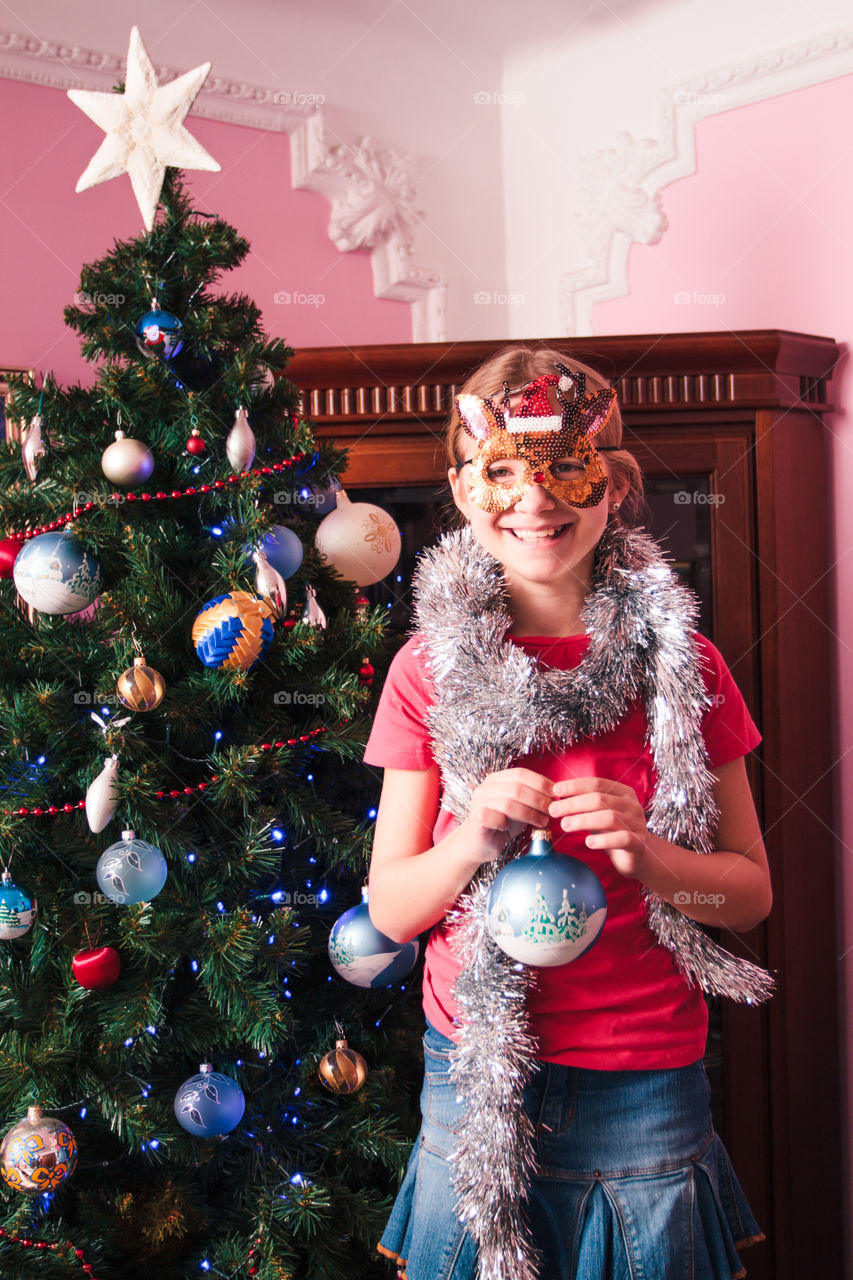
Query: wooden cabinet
[[729, 430]]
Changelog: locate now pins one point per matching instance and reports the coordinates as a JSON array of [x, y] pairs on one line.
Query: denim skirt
[[633, 1183]]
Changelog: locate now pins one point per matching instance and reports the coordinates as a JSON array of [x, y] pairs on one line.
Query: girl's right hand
[[502, 805]]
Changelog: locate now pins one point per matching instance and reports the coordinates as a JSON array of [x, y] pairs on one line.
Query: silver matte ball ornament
[[127, 461]]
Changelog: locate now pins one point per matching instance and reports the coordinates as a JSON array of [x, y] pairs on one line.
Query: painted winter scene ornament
[[364, 956], [17, 909], [546, 908], [56, 574]]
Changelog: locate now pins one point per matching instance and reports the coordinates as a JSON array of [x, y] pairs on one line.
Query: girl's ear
[[457, 488]]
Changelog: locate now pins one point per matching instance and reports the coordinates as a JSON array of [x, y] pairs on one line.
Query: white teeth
[[538, 535]]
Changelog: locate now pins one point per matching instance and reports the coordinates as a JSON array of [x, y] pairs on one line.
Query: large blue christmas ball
[[131, 870], [363, 955], [234, 630], [283, 550], [159, 334], [546, 908], [209, 1104], [56, 574], [17, 909]]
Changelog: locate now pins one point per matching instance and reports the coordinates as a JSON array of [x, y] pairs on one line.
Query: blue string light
[[216, 530], [217, 735], [152, 1031], [194, 965], [309, 777], [220, 906], [190, 857], [276, 834], [83, 1113], [323, 895], [371, 813]]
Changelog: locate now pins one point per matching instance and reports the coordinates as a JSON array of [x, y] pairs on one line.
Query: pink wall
[[763, 231], [47, 232]]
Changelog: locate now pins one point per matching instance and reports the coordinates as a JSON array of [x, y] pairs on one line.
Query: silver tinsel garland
[[494, 704]]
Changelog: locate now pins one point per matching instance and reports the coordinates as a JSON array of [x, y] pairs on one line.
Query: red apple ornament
[[97, 968]]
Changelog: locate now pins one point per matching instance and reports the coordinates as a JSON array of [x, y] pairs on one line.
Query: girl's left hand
[[613, 815]]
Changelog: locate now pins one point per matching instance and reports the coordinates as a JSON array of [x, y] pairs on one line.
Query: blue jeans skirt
[[633, 1183]]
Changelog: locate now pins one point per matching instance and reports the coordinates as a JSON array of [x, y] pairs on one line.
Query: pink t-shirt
[[622, 1005]]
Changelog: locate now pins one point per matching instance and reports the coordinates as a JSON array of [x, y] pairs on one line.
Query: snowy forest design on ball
[[545, 938]]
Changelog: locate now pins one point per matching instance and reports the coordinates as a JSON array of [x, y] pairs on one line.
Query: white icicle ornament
[[32, 445], [241, 443], [269, 583], [101, 798], [313, 614]]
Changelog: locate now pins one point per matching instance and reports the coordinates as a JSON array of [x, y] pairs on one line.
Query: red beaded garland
[[190, 491], [171, 795]]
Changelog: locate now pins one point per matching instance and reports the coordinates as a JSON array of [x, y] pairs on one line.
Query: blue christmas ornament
[[234, 630], [17, 909], [325, 500], [56, 574], [546, 908], [283, 550], [363, 955], [131, 870], [209, 1104], [159, 334]]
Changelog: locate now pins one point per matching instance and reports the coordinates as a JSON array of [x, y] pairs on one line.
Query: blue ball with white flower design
[[55, 573], [210, 1104], [131, 870]]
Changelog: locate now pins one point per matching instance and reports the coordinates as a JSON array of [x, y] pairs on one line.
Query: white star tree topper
[[144, 128]]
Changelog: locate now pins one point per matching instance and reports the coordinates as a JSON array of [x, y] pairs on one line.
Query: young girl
[[556, 682]]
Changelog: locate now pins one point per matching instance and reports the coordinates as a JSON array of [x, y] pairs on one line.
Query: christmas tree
[[242, 784]]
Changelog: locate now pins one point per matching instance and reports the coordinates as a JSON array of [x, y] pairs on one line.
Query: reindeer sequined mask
[[538, 446]]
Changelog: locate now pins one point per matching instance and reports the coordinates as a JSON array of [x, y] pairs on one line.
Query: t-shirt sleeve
[[399, 738], [727, 727]]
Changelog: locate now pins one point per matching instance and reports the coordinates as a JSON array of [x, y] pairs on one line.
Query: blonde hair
[[520, 364]]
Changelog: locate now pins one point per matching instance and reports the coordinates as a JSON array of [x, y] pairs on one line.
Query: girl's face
[[538, 539]]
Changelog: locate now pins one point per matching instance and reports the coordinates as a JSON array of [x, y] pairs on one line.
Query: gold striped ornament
[[140, 688], [342, 1069]]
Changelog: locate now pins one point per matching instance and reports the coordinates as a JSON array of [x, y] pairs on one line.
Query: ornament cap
[[34, 1114], [128, 834], [205, 1068], [341, 1044], [140, 661], [364, 894], [540, 843], [120, 434], [6, 877]]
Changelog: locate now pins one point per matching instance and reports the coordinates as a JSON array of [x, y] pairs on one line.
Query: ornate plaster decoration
[[371, 191], [623, 184]]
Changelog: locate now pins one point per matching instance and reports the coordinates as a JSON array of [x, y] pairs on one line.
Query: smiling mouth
[[539, 535]]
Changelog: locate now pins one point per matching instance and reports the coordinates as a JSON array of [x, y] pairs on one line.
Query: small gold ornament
[[140, 688], [342, 1069], [37, 1154]]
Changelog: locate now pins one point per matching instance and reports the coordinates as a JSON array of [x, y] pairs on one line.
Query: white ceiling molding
[[624, 183], [371, 193], [370, 190]]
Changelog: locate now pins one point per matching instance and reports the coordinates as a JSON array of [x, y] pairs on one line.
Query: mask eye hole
[[505, 471]]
